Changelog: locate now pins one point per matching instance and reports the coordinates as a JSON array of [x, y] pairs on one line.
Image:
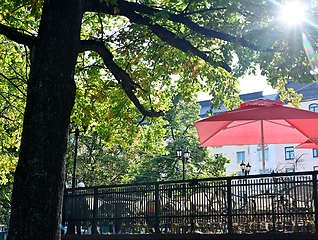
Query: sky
[[253, 83], [248, 84]]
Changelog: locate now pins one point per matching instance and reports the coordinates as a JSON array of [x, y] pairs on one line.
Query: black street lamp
[[77, 132], [246, 168], [71, 225], [184, 158]]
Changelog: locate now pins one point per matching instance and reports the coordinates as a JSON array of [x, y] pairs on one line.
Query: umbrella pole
[[263, 147]]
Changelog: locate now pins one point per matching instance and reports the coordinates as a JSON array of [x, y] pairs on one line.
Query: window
[[260, 155], [313, 107], [289, 153], [289, 170], [315, 152], [240, 156]]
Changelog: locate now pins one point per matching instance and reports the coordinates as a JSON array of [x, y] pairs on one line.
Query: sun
[[293, 13]]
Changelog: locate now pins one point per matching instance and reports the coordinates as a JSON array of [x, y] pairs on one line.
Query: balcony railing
[[249, 204]]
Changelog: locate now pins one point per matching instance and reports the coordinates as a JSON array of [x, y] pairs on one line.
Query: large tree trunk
[[39, 178]]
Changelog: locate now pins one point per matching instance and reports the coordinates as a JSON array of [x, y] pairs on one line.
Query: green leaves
[[20, 14], [160, 161], [169, 51]]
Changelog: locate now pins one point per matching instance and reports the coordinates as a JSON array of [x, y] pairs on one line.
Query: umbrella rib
[[281, 124], [252, 121], [207, 139], [290, 126], [238, 125], [210, 136], [299, 130]]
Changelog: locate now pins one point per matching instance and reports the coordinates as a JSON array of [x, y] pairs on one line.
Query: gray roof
[[251, 96], [273, 96], [206, 104], [308, 90]]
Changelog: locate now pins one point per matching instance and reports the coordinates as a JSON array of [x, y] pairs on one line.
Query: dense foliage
[[127, 60], [152, 156]]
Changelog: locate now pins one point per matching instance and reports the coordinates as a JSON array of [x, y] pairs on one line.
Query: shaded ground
[[264, 236]]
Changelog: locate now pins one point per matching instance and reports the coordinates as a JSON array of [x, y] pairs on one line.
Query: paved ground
[[260, 236]]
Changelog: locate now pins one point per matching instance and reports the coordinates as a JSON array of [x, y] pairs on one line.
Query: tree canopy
[[152, 157], [104, 64]]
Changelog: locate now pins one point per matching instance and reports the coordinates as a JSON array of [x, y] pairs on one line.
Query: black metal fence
[[250, 204]]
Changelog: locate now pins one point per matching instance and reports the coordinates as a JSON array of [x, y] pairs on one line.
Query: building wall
[[283, 165], [256, 159], [231, 153]]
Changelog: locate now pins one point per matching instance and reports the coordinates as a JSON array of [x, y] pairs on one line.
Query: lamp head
[[187, 154], [179, 152], [248, 167], [242, 166]]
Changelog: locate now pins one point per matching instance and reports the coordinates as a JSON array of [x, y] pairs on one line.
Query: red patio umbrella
[[259, 122]]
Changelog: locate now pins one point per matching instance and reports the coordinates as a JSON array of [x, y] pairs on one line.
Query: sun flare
[[293, 13]]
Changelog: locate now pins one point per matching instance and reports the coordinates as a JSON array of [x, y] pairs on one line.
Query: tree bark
[[39, 178]]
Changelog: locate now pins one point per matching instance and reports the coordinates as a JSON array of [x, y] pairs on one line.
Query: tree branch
[[120, 75], [124, 6], [17, 36], [181, 18], [129, 10], [171, 38]]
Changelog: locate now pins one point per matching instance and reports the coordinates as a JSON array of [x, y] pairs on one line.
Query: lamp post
[[245, 168], [77, 132], [71, 225], [184, 158]]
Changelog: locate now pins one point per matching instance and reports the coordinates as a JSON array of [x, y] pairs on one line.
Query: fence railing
[[249, 204]]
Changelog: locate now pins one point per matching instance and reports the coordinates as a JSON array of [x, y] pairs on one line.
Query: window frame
[[315, 152], [266, 153], [313, 107], [289, 154], [239, 160]]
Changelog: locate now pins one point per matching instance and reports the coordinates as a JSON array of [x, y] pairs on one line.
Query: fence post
[[314, 179], [157, 210], [62, 226], [71, 222], [229, 206], [95, 212]]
